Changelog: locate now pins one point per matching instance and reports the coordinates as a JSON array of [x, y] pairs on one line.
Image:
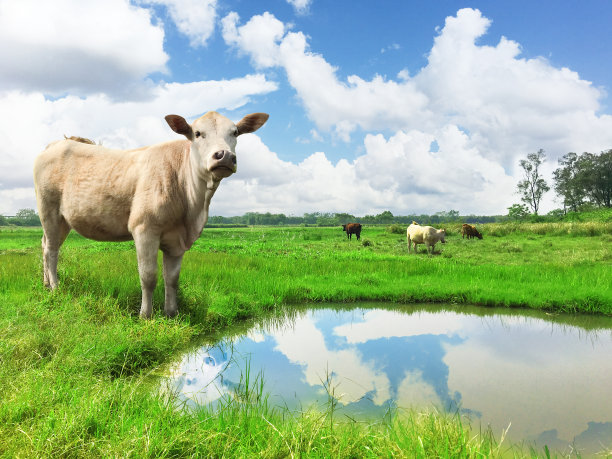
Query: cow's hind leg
[[172, 269], [147, 246], [55, 231]]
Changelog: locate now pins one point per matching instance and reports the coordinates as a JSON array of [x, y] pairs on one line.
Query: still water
[[545, 378]]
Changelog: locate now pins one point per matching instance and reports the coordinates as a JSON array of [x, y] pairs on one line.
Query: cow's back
[[96, 189]]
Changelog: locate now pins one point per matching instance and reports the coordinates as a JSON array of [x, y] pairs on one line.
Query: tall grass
[[587, 229]]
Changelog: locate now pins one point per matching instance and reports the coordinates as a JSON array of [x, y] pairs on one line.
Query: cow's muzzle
[[223, 163]]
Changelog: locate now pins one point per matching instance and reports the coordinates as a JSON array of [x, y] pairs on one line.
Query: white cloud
[[400, 174], [330, 103], [509, 105], [257, 38], [301, 6], [15, 199], [193, 18], [78, 47], [28, 121], [487, 104]]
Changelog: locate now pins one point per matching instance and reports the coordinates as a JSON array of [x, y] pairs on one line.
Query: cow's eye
[[236, 132], [198, 133]]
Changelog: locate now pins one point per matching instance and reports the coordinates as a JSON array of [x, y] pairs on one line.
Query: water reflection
[[548, 379]]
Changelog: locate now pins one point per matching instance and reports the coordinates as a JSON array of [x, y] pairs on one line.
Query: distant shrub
[[396, 229]]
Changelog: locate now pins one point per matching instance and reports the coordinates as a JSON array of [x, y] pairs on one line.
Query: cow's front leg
[[172, 269], [147, 246]]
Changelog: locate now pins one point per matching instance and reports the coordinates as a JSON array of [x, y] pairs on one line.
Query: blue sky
[[404, 106]]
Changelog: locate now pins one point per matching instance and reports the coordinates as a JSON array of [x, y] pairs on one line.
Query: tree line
[[340, 218], [28, 217]]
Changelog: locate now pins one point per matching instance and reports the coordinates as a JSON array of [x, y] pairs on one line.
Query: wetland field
[[80, 371]]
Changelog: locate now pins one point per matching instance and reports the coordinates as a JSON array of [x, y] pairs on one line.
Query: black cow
[[352, 228]]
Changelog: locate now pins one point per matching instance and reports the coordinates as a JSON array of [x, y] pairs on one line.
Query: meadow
[[76, 364]]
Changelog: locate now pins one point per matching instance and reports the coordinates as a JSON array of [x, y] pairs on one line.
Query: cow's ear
[[251, 123], [179, 125]]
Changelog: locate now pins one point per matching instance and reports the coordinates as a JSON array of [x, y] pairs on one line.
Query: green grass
[[76, 363]]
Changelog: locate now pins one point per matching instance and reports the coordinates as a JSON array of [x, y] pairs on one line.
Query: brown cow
[[157, 195], [469, 231], [352, 228]]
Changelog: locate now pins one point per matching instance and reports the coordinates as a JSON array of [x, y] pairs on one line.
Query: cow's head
[[213, 140], [441, 235]]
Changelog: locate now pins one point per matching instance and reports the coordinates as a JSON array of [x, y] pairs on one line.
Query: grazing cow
[[157, 195], [469, 231], [352, 228], [427, 235]]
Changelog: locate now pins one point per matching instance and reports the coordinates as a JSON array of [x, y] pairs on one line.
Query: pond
[[544, 378]]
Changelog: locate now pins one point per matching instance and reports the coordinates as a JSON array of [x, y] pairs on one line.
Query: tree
[[448, 216], [533, 186], [568, 182], [596, 177], [27, 217], [344, 217], [518, 211], [384, 217]]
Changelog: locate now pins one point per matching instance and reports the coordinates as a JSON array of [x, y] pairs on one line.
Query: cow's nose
[[225, 156]]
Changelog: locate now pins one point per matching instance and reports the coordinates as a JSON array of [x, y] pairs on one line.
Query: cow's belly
[[99, 229], [107, 222]]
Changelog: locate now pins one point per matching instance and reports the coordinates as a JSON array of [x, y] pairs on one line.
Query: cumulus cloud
[[29, 121], [257, 38], [508, 104], [78, 47], [511, 105], [193, 18], [400, 173], [330, 103], [301, 6], [486, 106]]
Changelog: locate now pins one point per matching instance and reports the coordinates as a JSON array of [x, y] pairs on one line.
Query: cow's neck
[[200, 190]]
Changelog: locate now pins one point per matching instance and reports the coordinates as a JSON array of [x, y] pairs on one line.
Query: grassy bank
[[73, 363]]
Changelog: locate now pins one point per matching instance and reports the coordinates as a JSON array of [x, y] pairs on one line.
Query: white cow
[[427, 235], [157, 195]]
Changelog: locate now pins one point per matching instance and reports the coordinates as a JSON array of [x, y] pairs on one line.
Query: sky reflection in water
[[550, 380]]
